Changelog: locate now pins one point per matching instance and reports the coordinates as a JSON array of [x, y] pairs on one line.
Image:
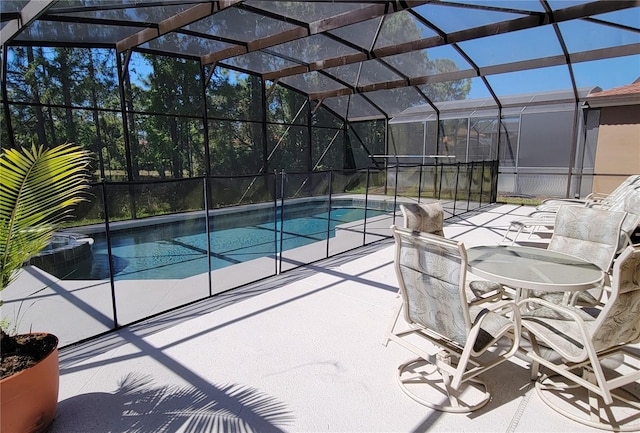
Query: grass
[[525, 201]]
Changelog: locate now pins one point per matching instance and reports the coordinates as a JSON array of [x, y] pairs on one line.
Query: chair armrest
[[567, 314], [497, 328], [499, 325], [563, 309], [544, 213]]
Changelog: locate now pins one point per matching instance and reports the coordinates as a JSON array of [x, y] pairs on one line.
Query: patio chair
[[591, 352], [594, 198], [632, 220], [590, 234], [628, 202], [429, 218], [468, 339]]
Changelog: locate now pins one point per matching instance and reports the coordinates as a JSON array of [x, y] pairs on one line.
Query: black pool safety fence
[[159, 245]]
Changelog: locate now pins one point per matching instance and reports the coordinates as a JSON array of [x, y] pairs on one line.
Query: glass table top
[[533, 268]]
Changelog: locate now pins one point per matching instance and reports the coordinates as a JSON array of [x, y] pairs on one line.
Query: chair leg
[[445, 358], [587, 407], [517, 233], [430, 385], [534, 369], [393, 325]]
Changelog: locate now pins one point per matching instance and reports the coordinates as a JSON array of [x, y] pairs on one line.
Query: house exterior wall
[[618, 146]]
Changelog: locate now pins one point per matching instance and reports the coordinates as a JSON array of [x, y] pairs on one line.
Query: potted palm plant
[[39, 188]]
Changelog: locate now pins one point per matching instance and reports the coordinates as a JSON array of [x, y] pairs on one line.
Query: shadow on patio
[[301, 352]]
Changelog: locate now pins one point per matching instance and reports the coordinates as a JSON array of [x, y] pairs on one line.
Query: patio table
[[528, 268]]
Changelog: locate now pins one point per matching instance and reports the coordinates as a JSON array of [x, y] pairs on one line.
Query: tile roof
[[629, 89]]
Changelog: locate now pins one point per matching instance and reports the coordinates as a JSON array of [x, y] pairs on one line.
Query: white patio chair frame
[[626, 200], [589, 234], [594, 198], [454, 368], [590, 352], [429, 218]]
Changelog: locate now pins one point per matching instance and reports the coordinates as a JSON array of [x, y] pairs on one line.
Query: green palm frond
[[38, 188]]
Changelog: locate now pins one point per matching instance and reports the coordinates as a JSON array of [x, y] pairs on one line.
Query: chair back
[[632, 219], [431, 273], [424, 217], [590, 234], [615, 199], [619, 322]]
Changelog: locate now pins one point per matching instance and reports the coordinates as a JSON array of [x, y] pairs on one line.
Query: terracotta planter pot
[[28, 399]]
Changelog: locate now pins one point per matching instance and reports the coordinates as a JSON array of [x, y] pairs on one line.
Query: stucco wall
[[618, 148]]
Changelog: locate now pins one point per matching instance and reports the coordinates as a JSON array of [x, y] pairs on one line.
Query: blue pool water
[[179, 250]]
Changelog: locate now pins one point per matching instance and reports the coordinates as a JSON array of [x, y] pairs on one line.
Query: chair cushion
[[543, 312], [481, 287], [557, 330], [428, 218], [584, 297]]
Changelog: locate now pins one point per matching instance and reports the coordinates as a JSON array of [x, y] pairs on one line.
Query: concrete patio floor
[[301, 352]]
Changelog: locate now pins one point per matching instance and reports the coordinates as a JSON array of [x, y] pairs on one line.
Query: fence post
[[366, 205], [440, 179], [275, 221], [481, 184], [207, 229], [109, 256], [470, 174], [455, 193], [329, 212], [419, 185], [283, 177]]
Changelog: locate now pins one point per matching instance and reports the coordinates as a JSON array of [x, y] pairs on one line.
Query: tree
[[174, 88]]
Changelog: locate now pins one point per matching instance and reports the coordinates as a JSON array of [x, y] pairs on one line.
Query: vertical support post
[[265, 132], [574, 149], [517, 161], [498, 144], [122, 71], [205, 121], [123, 113], [386, 152], [5, 99], [309, 137]]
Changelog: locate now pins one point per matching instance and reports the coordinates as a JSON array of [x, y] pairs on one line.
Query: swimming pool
[[179, 249]]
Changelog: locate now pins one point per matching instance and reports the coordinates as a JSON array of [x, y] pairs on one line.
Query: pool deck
[[300, 352]]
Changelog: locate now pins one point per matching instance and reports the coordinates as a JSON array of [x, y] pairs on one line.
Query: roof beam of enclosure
[[532, 20], [27, 14], [581, 11], [566, 14], [543, 62], [370, 11], [593, 8], [173, 23]]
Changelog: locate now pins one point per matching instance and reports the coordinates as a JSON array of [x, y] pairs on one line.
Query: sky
[[602, 34]]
